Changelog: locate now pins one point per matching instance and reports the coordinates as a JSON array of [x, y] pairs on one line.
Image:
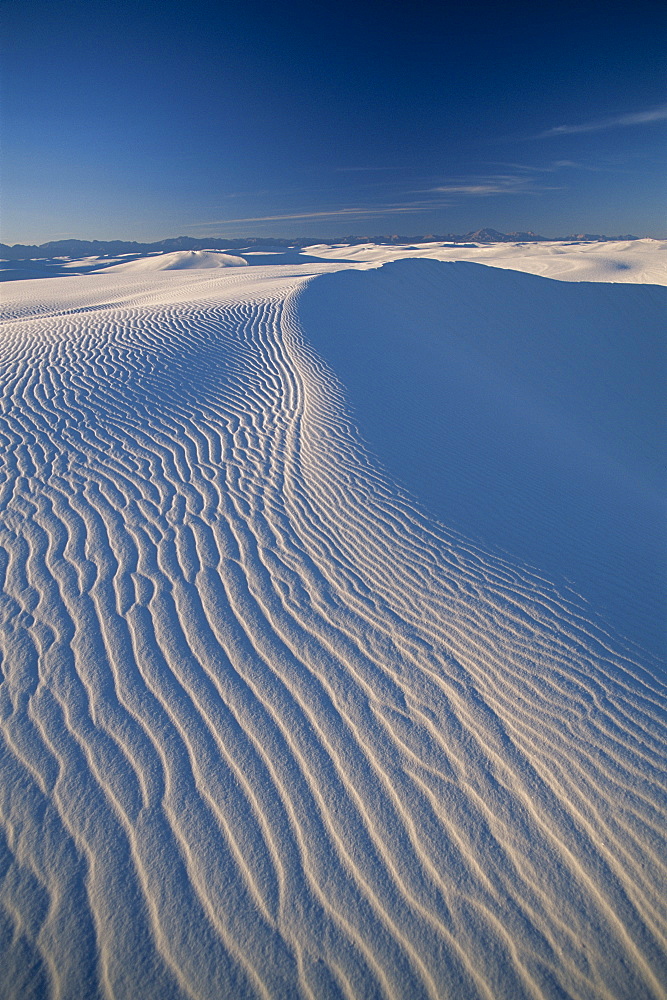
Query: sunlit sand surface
[[273, 725]]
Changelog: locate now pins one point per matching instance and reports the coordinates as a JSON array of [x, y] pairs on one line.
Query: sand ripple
[[267, 730]]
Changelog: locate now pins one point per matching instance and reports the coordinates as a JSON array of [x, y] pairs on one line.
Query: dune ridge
[[524, 412], [642, 261], [181, 260], [268, 729]]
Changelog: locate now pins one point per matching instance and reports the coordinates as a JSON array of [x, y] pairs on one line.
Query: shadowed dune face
[[527, 413], [268, 731], [639, 261]]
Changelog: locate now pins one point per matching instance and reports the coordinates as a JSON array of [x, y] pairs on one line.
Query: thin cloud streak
[[553, 168], [621, 121], [474, 187], [337, 213], [350, 170], [479, 190], [444, 195], [483, 187]]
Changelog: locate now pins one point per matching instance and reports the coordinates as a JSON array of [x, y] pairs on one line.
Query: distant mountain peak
[[493, 236]]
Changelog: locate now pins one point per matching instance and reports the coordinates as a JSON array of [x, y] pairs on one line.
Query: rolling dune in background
[[269, 728]]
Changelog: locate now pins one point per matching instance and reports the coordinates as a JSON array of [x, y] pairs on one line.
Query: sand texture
[[271, 728]]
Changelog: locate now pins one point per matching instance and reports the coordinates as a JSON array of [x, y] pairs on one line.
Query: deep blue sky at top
[[142, 120]]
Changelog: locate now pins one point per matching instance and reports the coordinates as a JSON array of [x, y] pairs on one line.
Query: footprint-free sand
[[309, 692]]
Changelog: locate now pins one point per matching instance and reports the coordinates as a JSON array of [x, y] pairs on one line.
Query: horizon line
[[410, 237]]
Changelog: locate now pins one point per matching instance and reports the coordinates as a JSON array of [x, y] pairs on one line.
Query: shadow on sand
[[522, 411]]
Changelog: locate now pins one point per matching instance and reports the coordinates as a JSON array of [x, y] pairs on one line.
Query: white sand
[[181, 260], [269, 729], [643, 261]]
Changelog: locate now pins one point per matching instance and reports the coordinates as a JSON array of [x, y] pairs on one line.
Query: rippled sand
[[269, 729]]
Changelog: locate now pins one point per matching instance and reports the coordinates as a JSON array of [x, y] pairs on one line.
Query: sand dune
[[181, 260], [642, 261], [527, 413], [270, 729]]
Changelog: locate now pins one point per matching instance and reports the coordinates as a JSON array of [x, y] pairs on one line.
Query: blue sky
[[145, 120]]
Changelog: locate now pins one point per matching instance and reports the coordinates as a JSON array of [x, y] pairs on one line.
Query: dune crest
[[640, 261], [181, 260]]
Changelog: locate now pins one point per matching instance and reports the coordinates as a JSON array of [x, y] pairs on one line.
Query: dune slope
[[528, 413], [627, 261], [181, 260], [268, 730]]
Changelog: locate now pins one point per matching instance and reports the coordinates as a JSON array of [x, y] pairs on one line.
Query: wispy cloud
[[479, 190], [280, 218], [571, 165], [246, 194], [337, 213], [524, 167], [550, 168], [524, 181], [297, 215], [346, 170], [483, 187], [620, 121]]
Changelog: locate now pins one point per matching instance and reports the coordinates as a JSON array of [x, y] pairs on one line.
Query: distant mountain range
[[104, 248], [493, 236]]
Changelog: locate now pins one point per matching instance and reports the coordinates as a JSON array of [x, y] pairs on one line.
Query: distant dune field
[[331, 620]]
